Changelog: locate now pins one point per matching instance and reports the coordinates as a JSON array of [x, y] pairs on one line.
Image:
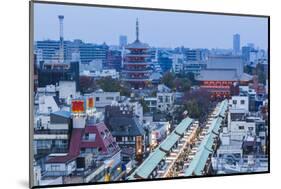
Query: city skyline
[[153, 30]]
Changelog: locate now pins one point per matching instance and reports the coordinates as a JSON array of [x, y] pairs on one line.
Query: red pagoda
[[135, 69]]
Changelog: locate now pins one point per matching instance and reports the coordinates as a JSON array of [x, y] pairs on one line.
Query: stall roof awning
[[169, 142], [149, 164], [184, 124]]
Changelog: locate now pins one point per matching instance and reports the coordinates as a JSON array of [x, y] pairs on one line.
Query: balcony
[[50, 131]]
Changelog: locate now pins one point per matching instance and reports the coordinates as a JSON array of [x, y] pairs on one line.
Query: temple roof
[[137, 45], [218, 75]]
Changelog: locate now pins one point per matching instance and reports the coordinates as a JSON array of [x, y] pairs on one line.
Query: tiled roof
[[74, 148], [100, 141], [62, 113], [218, 75], [138, 45], [61, 159], [125, 126]]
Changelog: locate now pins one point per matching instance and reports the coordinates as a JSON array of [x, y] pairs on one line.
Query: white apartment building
[[165, 98], [151, 103], [103, 99], [60, 168], [239, 102], [177, 64], [67, 89], [238, 126], [102, 73], [47, 105]]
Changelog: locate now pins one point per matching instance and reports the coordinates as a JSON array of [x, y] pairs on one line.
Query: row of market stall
[[186, 151]]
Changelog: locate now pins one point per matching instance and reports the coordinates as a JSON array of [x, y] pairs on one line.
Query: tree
[[107, 84], [193, 108], [182, 83], [168, 79], [144, 105], [258, 70], [248, 69], [261, 73], [87, 84], [197, 103]]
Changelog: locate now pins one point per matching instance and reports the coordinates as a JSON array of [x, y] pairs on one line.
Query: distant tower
[[236, 44], [61, 50], [122, 41]]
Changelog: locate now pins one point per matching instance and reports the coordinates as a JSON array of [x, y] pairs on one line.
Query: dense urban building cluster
[[130, 111]]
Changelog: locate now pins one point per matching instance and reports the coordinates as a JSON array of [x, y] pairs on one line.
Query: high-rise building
[[246, 53], [136, 70], [165, 61], [113, 59], [236, 44], [50, 73], [122, 41], [196, 54], [87, 51]]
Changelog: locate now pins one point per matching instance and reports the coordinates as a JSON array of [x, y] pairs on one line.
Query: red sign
[[78, 106], [90, 102]]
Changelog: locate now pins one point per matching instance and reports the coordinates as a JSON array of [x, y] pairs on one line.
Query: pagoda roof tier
[[136, 71], [136, 79], [137, 63], [136, 55], [137, 45]]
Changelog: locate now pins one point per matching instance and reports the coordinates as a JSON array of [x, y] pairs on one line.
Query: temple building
[[136, 70], [222, 83]]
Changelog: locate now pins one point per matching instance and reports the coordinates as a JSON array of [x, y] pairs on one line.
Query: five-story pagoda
[[136, 70]]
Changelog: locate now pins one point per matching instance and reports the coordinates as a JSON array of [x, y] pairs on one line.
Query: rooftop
[[125, 126], [218, 75]]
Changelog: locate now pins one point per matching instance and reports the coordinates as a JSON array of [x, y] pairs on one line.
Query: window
[[130, 138], [242, 102], [86, 136], [97, 99], [118, 139], [92, 137], [103, 135], [234, 101], [241, 127], [250, 128], [153, 103], [167, 99], [82, 150], [50, 109], [109, 98], [55, 167]]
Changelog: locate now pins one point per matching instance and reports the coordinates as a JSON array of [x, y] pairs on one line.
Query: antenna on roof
[[61, 49], [137, 29]]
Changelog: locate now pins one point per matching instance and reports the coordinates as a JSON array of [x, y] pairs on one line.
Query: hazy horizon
[[157, 28]]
